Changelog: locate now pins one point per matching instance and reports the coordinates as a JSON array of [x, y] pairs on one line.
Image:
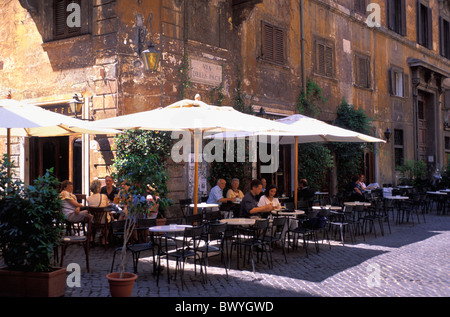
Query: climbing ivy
[[350, 156], [307, 102], [185, 79], [315, 159]]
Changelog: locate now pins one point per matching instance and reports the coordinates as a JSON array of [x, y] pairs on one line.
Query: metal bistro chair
[[189, 249], [83, 240], [252, 239], [184, 206], [100, 222], [137, 248], [214, 242], [278, 233]]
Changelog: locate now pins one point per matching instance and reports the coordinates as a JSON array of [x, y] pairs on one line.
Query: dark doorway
[[46, 153]]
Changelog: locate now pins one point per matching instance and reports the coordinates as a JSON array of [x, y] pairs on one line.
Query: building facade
[[389, 58]]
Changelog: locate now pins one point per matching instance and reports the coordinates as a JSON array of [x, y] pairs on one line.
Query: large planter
[[32, 284], [121, 287], [161, 221]]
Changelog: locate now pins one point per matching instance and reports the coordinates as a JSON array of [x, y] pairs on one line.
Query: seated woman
[[356, 189], [234, 191], [71, 208], [99, 200], [269, 197]]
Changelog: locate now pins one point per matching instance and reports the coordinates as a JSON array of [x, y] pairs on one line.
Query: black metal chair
[[252, 239], [214, 239], [137, 248], [278, 234], [84, 240], [184, 206], [192, 238]]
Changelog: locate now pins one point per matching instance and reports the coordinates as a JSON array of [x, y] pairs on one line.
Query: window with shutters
[[398, 83], [273, 44], [360, 6], [424, 25], [444, 37], [61, 29], [324, 56], [396, 16], [362, 71]]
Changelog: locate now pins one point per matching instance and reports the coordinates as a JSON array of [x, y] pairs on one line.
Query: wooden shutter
[[390, 5], [60, 14], [60, 18], [320, 59], [419, 23], [430, 28], [268, 53], [359, 6], [391, 82], [405, 85], [279, 46], [329, 61], [273, 44], [403, 16]]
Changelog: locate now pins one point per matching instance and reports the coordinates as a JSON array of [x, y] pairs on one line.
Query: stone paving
[[412, 261]]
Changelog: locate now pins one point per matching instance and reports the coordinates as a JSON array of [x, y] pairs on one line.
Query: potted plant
[[146, 174], [30, 230]]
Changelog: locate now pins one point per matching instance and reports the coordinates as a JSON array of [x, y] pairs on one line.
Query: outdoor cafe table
[[288, 213], [327, 207], [239, 221], [357, 203], [160, 232], [203, 206]]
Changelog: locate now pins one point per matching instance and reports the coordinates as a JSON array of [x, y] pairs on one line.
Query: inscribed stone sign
[[206, 73]]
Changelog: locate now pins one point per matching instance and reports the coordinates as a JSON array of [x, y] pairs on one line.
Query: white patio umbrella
[[21, 119], [194, 116], [304, 129]]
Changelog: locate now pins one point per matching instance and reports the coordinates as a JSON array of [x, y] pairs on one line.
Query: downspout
[[302, 47]]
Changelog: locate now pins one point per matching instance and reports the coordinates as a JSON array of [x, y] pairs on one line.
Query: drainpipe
[[302, 46]]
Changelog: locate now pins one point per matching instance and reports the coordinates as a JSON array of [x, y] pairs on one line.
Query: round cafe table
[[327, 207], [239, 221], [357, 203], [282, 212]]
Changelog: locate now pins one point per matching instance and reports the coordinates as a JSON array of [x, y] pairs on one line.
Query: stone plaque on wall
[[206, 73]]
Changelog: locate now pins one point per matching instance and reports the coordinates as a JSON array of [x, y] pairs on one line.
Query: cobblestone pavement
[[412, 261]]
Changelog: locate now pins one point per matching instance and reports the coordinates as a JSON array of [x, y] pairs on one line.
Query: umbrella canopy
[[303, 129], [28, 120], [193, 116], [20, 119]]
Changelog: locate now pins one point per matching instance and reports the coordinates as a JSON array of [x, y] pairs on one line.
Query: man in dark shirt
[[305, 193], [249, 204]]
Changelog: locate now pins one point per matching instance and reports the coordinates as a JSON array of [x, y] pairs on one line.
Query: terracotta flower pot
[[121, 287]]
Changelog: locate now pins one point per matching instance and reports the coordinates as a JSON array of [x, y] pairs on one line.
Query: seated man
[[305, 192], [249, 204], [216, 194]]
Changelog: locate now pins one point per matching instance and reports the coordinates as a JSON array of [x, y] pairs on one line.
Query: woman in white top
[[269, 198], [234, 191]]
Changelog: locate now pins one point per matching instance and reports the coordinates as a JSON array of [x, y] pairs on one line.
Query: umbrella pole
[[196, 149], [8, 149], [296, 171]]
